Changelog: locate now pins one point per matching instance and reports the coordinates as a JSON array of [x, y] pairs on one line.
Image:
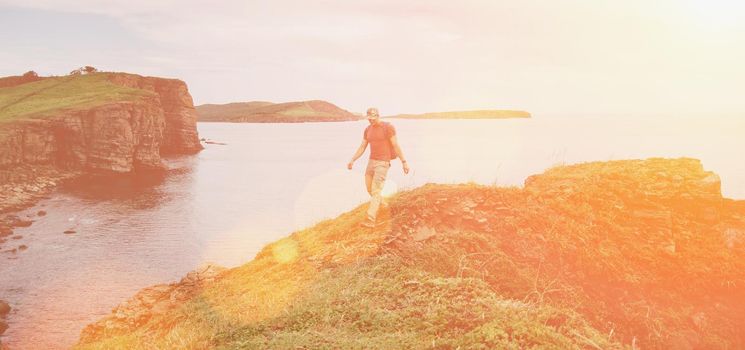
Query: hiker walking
[[383, 148]]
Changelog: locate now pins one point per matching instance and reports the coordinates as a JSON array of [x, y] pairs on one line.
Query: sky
[[571, 57]]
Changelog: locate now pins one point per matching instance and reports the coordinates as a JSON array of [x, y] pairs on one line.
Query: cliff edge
[[607, 255]]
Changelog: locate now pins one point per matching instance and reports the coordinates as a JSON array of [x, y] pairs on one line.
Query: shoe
[[368, 223]]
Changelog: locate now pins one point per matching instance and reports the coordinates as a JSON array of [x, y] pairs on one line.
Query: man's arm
[[399, 153], [358, 154]]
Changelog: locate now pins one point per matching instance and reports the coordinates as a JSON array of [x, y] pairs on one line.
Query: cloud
[[422, 55]]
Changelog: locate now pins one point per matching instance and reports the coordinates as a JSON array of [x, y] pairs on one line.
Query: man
[[383, 147]]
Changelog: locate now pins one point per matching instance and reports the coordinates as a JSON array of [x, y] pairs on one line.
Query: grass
[[51, 95], [379, 303], [304, 110]]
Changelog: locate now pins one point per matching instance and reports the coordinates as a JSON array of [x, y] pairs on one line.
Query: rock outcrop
[[179, 115], [120, 137], [152, 302]]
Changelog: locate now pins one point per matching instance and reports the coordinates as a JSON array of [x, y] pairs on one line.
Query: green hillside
[[268, 112], [50, 95], [222, 112]]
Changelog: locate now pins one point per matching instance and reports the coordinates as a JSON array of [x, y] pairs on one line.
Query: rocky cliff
[[608, 255], [118, 136], [57, 127], [178, 112]]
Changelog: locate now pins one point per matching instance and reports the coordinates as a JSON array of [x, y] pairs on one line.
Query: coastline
[[125, 127], [56, 129], [29, 185]]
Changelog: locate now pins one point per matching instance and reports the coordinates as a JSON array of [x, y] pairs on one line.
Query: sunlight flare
[[285, 251]]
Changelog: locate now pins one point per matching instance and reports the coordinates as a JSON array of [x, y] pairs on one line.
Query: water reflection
[[114, 186], [136, 191]]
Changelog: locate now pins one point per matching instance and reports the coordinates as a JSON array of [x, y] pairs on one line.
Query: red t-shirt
[[379, 137]]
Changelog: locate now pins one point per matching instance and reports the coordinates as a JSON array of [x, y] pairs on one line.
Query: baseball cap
[[372, 113]]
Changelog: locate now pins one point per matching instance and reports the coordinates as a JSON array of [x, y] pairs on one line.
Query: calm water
[[225, 203]]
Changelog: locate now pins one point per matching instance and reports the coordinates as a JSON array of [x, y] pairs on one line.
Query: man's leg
[[380, 170], [368, 182], [369, 173]]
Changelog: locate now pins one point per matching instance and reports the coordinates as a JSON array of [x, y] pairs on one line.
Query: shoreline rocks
[[151, 302], [212, 142], [27, 185], [24, 184]]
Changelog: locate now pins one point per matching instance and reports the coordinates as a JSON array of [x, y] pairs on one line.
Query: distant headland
[[268, 112], [477, 114], [323, 111]]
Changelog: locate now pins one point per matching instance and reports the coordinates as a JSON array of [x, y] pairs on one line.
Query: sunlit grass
[[285, 251], [379, 303]]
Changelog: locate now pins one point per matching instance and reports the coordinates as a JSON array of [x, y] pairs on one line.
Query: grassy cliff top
[[53, 94], [608, 255], [478, 114]]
